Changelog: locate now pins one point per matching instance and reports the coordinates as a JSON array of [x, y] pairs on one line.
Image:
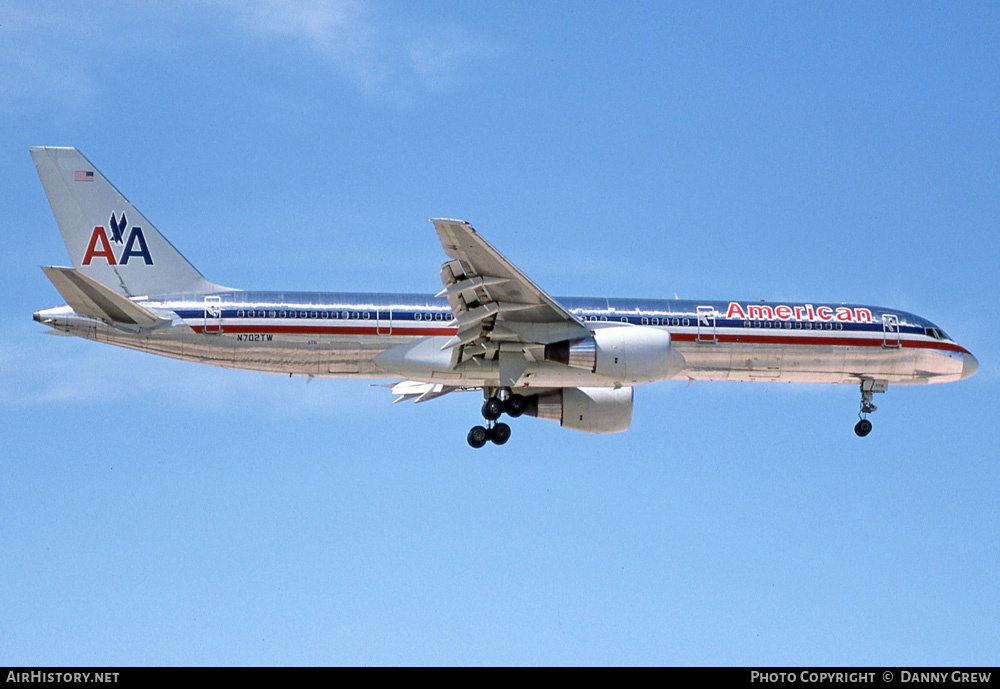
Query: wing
[[498, 311], [421, 392]]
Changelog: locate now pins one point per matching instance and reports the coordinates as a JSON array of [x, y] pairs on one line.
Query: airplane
[[571, 360]]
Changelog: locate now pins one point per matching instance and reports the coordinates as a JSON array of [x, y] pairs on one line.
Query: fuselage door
[[213, 316], [706, 324], [383, 321], [890, 330]]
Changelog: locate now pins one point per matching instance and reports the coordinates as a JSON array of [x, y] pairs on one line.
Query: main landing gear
[[497, 404], [868, 387]]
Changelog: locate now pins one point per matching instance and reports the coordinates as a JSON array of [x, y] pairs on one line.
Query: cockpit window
[[936, 333]]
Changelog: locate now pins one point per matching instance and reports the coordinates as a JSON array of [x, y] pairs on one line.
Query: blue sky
[[160, 512]]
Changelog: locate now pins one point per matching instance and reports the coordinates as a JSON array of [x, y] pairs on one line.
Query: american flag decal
[[83, 176]]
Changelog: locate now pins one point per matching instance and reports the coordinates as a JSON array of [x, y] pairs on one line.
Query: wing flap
[[470, 284]]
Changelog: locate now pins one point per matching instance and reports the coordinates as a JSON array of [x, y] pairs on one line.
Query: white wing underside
[[421, 392]]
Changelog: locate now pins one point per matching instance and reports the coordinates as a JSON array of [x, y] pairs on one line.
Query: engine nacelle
[[592, 410], [622, 354]]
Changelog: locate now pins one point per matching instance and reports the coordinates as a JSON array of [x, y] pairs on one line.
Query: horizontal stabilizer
[[90, 298]]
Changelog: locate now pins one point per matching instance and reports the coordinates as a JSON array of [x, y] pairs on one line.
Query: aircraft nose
[[969, 365]]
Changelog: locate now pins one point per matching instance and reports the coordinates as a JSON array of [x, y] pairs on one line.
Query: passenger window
[[645, 321], [687, 321]]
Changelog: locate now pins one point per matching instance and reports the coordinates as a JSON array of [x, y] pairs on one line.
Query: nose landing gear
[[497, 404], [868, 387]]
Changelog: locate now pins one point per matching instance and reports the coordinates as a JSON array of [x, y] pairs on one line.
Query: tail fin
[[107, 238]]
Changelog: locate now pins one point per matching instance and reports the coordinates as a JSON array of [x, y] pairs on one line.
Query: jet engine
[[592, 410], [624, 355]]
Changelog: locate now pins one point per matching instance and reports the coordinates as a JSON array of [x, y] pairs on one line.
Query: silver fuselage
[[343, 334]]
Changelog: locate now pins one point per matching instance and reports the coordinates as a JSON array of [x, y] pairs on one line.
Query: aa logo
[[101, 247]]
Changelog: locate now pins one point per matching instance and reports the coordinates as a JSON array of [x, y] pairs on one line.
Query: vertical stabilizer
[[107, 238]]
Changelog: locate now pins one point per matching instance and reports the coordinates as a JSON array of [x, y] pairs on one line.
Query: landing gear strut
[[868, 387], [495, 431]]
